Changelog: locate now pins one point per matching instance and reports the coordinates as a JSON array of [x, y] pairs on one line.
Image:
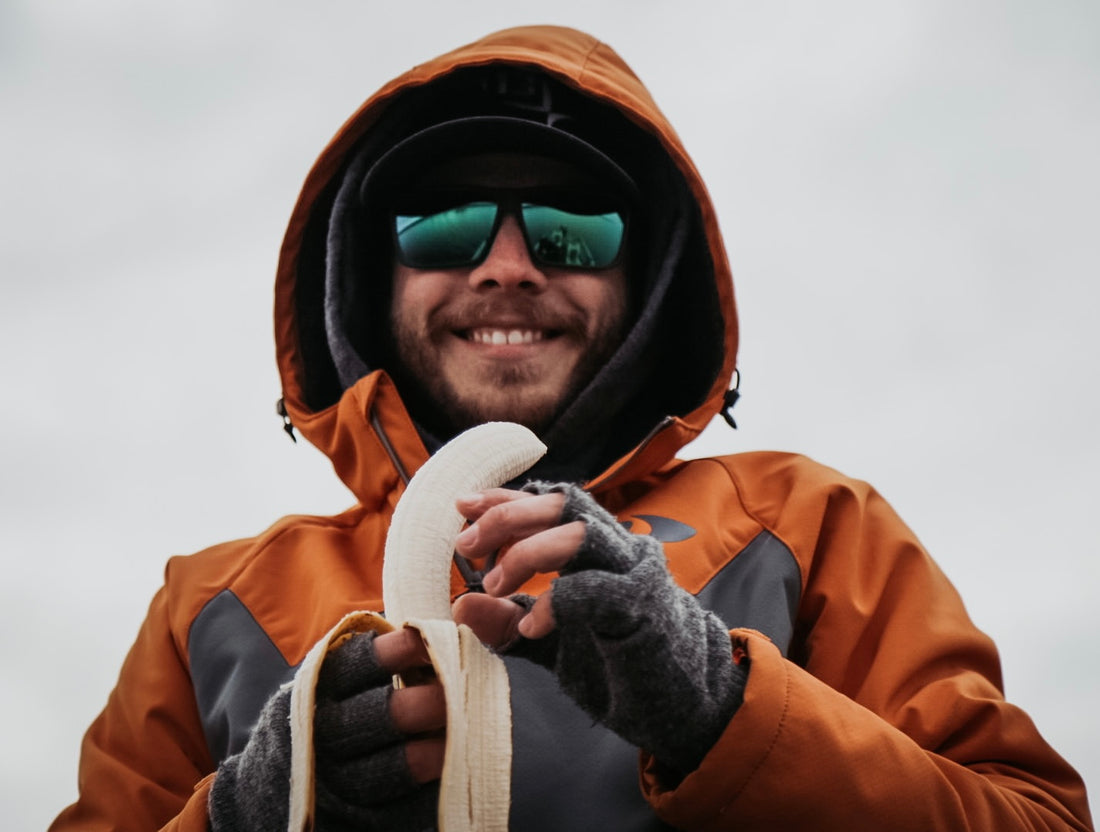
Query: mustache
[[533, 314]]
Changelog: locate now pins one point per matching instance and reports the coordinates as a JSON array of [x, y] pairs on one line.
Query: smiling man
[[513, 231]]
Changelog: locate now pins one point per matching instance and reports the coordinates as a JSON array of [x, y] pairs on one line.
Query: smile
[[487, 335]]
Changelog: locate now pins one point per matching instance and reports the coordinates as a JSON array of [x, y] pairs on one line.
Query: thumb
[[494, 620]]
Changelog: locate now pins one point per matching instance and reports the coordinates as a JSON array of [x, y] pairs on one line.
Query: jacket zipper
[[649, 437], [376, 425], [470, 575]]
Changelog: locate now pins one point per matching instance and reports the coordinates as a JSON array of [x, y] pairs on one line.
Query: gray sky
[[909, 193]]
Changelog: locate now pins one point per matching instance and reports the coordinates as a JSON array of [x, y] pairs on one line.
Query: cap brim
[[490, 134]]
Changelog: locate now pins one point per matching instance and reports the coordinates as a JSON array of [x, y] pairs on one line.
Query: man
[[513, 231]]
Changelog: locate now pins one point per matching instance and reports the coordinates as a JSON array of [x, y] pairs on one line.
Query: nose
[[508, 265]]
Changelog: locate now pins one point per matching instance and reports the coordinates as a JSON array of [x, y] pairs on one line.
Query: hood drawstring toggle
[[288, 426], [730, 399]]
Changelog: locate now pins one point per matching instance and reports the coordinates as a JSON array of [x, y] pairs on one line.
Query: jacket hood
[[668, 380]]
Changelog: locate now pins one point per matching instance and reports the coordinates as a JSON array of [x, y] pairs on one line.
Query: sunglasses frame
[[509, 202]]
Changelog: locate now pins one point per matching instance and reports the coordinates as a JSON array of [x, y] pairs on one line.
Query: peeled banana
[[416, 578]]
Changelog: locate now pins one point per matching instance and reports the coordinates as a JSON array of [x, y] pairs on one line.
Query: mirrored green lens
[[456, 237], [564, 238]]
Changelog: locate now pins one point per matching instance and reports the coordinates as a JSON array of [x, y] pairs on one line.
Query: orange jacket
[[873, 702]]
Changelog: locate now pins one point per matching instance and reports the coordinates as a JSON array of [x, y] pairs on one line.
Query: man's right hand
[[379, 751]]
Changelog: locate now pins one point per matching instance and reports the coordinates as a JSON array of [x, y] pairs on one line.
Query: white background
[[909, 193]]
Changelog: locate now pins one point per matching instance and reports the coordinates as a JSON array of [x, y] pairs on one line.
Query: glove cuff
[[251, 791]]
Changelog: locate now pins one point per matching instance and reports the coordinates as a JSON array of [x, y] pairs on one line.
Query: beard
[[513, 391]]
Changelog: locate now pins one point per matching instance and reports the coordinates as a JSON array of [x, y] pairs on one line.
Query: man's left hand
[[630, 646]]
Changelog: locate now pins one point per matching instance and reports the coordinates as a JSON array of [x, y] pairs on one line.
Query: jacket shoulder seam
[[252, 548], [766, 526]]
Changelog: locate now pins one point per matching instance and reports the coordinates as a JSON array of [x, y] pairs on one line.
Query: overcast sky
[[910, 193]]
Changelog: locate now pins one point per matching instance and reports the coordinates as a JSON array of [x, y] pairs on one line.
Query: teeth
[[501, 336]]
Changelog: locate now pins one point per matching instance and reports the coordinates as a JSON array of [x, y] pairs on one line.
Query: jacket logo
[[665, 529]]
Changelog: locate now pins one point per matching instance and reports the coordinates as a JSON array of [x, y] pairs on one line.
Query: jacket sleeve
[[144, 759], [889, 713]]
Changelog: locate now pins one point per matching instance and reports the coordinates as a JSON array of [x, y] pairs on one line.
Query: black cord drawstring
[[730, 399], [288, 426]]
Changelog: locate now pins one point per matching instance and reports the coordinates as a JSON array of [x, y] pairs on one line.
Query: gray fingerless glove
[[362, 777], [632, 648], [252, 789]]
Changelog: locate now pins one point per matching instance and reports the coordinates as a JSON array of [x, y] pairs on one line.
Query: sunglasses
[[462, 235]]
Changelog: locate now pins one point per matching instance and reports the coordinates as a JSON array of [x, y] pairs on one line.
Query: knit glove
[[362, 777], [632, 648]]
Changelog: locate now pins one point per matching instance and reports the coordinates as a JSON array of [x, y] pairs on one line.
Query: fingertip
[[467, 538], [493, 620], [400, 650], [470, 498], [461, 604], [425, 758], [539, 621], [534, 625], [416, 709], [491, 581]]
